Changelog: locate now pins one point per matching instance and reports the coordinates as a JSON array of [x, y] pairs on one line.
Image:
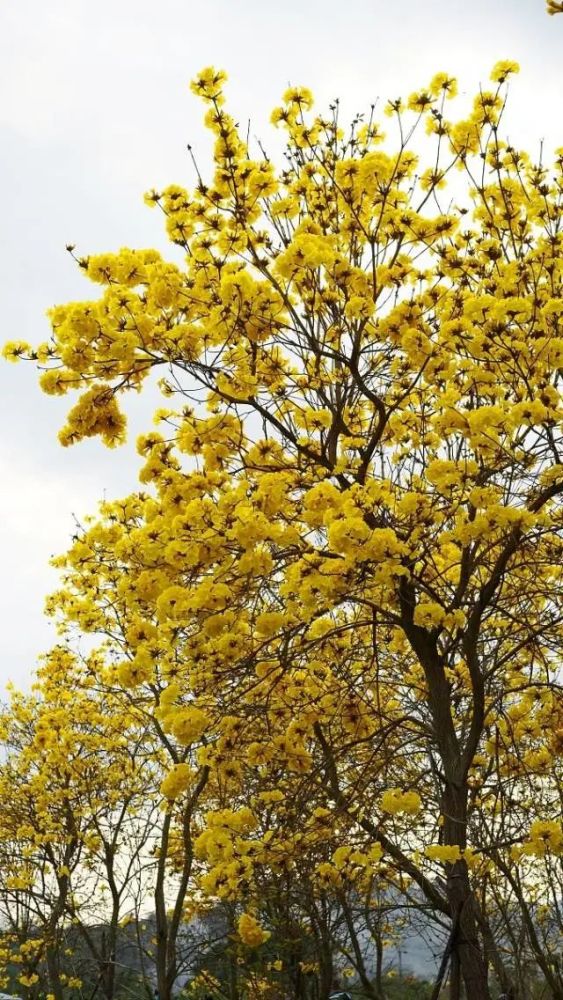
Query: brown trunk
[[467, 951], [455, 977]]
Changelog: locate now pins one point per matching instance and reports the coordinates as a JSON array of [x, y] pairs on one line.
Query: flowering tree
[[71, 828], [345, 575], [91, 846]]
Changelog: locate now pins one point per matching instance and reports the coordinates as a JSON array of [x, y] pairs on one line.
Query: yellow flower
[[503, 69], [545, 835], [14, 349], [176, 781], [395, 801], [208, 84], [188, 724], [250, 931], [428, 614], [28, 980], [270, 622], [301, 96], [442, 83], [443, 852]]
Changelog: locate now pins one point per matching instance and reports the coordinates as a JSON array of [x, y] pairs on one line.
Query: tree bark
[[467, 948]]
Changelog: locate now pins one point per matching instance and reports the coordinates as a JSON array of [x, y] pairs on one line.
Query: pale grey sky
[[95, 109]]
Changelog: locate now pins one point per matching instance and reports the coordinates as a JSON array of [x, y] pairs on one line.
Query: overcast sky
[[95, 109]]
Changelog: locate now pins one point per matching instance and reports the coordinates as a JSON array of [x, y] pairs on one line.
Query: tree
[[90, 847], [352, 583], [73, 789]]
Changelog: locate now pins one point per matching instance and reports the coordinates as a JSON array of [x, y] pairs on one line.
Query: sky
[[95, 110]]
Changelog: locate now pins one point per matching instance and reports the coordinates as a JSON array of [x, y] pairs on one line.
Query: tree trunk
[[53, 972], [467, 948], [379, 961], [455, 977]]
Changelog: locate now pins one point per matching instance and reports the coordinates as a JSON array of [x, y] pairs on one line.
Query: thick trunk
[[467, 950], [455, 978]]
